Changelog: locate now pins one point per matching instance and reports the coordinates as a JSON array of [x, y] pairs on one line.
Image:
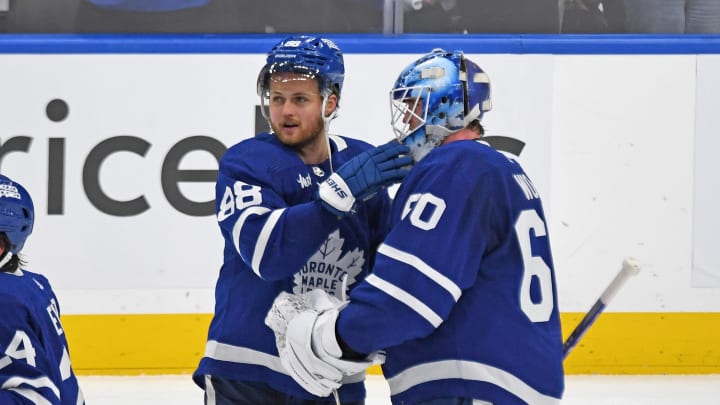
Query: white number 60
[[534, 266], [425, 210]]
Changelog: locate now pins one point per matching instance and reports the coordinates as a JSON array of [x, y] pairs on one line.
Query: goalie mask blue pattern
[[438, 94], [17, 213]]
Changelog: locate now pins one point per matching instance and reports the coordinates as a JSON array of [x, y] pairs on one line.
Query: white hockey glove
[[287, 306], [304, 329]]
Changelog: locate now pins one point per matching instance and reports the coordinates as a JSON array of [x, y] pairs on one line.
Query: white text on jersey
[[526, 185]]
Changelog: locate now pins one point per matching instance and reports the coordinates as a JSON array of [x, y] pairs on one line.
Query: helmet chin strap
[[326, 126], [5, 258], [264, 111]]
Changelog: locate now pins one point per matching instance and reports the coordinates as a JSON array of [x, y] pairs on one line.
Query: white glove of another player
[[304, 329]]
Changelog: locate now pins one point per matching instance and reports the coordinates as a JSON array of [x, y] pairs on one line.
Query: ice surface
[[580, 390]]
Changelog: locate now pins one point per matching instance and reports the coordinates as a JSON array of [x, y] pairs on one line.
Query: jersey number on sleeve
[[21, 347], [425, 210], [241, 196]]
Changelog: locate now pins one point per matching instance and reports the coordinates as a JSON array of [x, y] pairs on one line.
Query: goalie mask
[[309, 56], [17, 213], [438, 94]]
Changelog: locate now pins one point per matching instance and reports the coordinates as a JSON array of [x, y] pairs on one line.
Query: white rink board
[[706, 255], [610, 143]]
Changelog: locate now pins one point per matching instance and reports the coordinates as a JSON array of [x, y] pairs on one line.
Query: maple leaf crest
[[328, 266]]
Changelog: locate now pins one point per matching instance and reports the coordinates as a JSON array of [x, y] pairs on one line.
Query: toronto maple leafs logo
[[328, 267]]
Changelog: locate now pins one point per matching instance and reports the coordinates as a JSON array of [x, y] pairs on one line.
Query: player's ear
[[331, 104]]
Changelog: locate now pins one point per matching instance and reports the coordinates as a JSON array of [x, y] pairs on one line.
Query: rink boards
[[117, 138], [618, 343]]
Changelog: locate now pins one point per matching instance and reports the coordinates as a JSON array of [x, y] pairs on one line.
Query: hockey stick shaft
[[629, 268]]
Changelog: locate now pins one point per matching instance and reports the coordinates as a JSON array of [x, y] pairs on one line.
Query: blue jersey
[[463, 294], [34, 360], [278, 237]]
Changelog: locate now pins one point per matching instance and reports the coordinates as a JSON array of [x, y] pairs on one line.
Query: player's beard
[[308, 136]]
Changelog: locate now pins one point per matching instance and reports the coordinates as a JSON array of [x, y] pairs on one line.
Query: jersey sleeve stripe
[[406, 298], [41, 382], [238, 354], [422, 267], [65, 366], [262, 240], [237, 228], [468, 370], [340, 143], [34, 396]]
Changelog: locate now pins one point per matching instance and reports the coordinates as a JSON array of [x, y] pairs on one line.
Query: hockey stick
[[630, 267]]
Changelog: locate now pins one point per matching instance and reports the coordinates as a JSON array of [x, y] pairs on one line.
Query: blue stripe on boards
[[564, 44]]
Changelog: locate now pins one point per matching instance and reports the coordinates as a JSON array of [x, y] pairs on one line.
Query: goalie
[[462, 297]]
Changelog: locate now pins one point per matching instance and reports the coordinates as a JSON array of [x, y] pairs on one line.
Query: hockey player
[[34, 359], [462, 295], [299, 210]]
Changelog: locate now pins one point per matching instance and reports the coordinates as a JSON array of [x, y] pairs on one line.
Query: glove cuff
[[327, 347], [336, 194], [325, 325]]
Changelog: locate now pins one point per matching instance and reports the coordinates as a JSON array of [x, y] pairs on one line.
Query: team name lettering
[[526, 186], [321, 282], [54, 313], [324, 268], [322, 275]]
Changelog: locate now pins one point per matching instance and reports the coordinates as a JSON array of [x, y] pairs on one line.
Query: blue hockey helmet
[[438, 94], [314, 57], [17, 214]]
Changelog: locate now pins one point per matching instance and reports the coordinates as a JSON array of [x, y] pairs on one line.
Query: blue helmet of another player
[[17, 214], [438, 94], [310, 56]]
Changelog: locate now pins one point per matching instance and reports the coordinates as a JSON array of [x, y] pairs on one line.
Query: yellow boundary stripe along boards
[[618, 343]]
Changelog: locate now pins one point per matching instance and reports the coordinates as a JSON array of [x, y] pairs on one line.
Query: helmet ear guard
[[477, 90], [17, 213], [453, 92]]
